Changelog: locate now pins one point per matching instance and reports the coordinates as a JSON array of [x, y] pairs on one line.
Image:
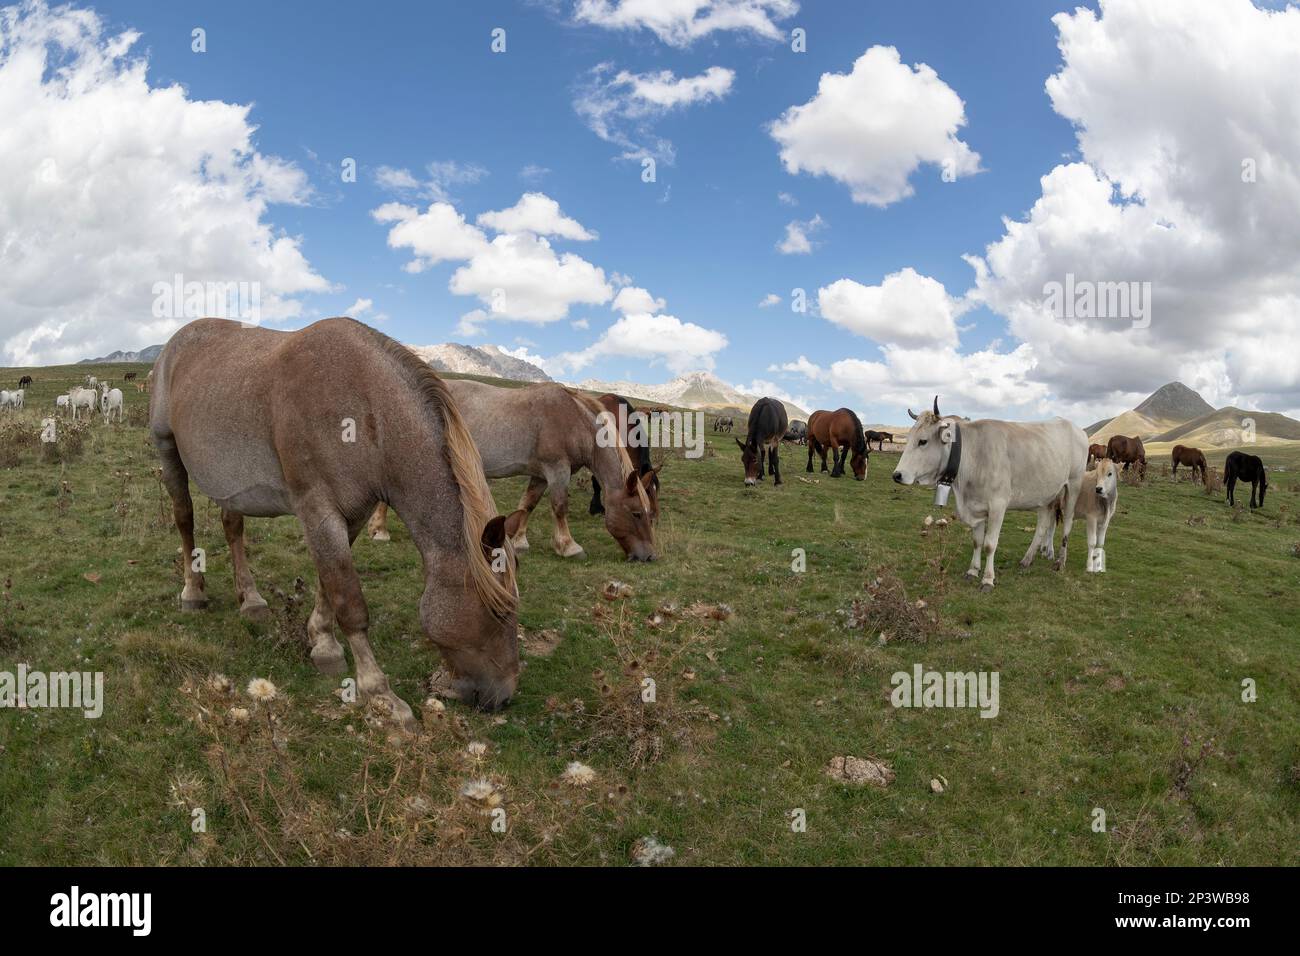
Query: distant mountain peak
[[699, 389], [1174, 402], [149, 354], [489, 360]]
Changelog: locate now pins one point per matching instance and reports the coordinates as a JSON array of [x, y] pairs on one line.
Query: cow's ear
[[946, 433]]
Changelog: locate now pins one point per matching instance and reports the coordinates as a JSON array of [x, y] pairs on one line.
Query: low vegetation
[[1121, 691]]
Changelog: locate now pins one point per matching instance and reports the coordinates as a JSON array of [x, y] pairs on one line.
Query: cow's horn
[[912, 413], [936, 406]]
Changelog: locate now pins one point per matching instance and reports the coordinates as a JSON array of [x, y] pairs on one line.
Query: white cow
[[1096, 503], [61, 403], [995, 467], [11, 399], [79, 397], [110, 399], [91, 381]]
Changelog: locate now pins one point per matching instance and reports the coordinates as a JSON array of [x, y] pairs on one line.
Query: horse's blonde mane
[[476, 504], [593, 407]]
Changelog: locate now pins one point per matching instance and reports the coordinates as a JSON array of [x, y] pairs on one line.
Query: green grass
[[1108, 682]]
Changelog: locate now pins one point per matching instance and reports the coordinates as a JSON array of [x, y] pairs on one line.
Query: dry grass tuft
[[890, 613]]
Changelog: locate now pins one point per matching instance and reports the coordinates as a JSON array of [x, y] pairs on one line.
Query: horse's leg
[[762, 462], [177, 481], [1254, 483], [557, 484], [532, 495], [1232, 483], [326, 651], [330, 541], [251, 604], [776, 467], [771, 459], [596, 507], [812, 446], [1072, 492], [821, 451], [377, 527], [992, 530], [977, 535]]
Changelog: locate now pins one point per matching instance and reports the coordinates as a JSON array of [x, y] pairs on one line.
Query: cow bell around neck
[[943, 486]]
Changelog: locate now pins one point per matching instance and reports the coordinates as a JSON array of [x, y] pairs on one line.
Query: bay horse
[[838, 430], [768, 423], [265, 425], [547, 432], [879, 438], [1095, 453], [1192, 457], [1128, 451], [637, 441], [1243, 467]]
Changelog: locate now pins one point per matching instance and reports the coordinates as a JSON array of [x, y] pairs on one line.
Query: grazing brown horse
[[1194, 458], [265, 425], [1128, 451], [768, 423], [1095, 454], [637, 441], [130, 376], [24, 381], [547, 432], [841, 432]]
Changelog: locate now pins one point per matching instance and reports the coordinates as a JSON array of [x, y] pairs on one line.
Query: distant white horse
[[110, 399], [79, 397]]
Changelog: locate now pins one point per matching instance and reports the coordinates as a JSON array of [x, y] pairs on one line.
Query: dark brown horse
[[1243, 467], [24, 381], [879, 438], [637, 442], [130, 376], [768, 423], [841, 432], [1129, 451], [1095, 453], [1193, 458]]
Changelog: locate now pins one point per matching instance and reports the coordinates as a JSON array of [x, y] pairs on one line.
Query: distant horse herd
[[228, 410]]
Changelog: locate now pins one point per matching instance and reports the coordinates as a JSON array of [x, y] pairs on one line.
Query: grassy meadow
[[1120, 691]]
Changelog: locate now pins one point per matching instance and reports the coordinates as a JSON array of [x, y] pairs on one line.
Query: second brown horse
[[841, 432], [1193, 458]]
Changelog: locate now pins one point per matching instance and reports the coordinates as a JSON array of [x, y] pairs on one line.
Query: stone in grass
[[860, 770]]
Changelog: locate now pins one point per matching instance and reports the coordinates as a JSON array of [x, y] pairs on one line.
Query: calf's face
[[1105, 480]]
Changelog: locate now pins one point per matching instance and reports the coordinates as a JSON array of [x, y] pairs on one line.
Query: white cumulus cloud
[[680, 23], [906, 309], [874, 126]]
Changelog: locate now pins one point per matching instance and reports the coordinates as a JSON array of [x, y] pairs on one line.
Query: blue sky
[[401, 86]]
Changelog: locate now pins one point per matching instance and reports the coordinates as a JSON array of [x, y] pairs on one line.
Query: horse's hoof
[[972, 575], [330, 663], [381, 536], [195, 604], [573, 550], [519, 544], [256, 611], [985, 588]]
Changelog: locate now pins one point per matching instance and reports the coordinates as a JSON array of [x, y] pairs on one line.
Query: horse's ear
[[740, 443], [629, 485], [494, 535]]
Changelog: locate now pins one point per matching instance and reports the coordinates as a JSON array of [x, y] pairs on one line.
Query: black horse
[[768, 423], [1246, 468], [638, 452], [24, 381], [879, 439]]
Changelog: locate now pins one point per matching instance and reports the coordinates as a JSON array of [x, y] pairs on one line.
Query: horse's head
[[479, 642], [858, 461], [925, 452], [749, 458], [629, 515]]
